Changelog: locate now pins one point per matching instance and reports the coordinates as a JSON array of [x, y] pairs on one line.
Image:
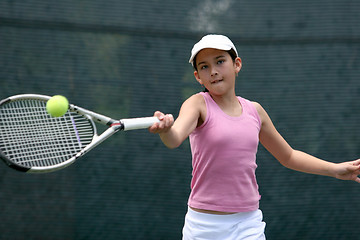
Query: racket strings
[[31, 138]]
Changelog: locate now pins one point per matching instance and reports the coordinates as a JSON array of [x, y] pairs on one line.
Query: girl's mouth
[[216, 81]]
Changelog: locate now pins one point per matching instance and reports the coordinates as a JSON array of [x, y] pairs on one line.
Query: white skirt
[[237, 226]]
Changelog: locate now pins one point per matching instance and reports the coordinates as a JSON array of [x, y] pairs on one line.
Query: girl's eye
[[220, 61], [204, 67]]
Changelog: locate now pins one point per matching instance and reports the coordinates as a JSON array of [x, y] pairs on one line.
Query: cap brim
[[193, 54]]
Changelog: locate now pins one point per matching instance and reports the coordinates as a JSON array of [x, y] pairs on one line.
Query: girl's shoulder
[[254, 108], [252, 104], [197, 103], [196, 99], [263, 115], [257, 105]]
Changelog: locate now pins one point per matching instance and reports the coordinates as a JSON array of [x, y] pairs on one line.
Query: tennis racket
[[32, 141]]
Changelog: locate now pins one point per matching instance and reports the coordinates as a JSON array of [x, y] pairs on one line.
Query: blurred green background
[[129, 58]]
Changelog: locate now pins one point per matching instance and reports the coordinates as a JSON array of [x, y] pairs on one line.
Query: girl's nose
[[214, 72]]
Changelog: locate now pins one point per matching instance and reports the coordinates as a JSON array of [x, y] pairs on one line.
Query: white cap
[[220, 42]]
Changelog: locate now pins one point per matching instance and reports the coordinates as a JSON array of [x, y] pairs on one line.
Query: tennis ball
[[57, 106]]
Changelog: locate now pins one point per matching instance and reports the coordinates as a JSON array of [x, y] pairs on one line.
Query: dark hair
[[232, 54]]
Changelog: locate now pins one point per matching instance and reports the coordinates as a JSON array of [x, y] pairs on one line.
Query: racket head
[[33, 141]]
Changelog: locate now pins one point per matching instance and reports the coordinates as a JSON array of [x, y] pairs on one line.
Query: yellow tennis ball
[[57, 106]]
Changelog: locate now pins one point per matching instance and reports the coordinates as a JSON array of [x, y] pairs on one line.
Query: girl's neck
[[226, 99], [228, 104]]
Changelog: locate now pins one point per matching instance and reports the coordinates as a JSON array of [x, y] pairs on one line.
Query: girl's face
[[216, 70]]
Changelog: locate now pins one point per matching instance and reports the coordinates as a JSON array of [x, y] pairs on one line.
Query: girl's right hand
[[166, 121]]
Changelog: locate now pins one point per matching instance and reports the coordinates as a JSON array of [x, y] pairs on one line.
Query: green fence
[[129, 58]]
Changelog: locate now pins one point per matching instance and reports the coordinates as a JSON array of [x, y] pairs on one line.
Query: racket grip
[[138, 123]]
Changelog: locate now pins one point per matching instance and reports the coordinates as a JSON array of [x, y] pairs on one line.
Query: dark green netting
[[129, 58]]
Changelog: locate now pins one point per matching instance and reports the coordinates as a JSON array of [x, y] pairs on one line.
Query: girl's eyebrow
[[204, 62]]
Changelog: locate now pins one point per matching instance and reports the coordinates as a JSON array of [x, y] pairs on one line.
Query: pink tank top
[[224, 159]]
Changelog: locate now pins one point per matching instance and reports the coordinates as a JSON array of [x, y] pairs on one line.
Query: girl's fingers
[[166, 121]]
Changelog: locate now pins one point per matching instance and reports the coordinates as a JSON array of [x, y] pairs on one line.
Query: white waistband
[[236, 217]]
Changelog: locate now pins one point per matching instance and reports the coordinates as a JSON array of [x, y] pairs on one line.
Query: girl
[[224, 132]]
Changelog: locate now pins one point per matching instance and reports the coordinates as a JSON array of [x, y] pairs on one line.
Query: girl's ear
[[196, 74], [238, 64]]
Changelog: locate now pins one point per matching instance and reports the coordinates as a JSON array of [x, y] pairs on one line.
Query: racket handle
[[138, 123]]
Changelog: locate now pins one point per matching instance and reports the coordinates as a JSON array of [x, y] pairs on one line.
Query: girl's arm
[[300, 161], [173, 133]]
